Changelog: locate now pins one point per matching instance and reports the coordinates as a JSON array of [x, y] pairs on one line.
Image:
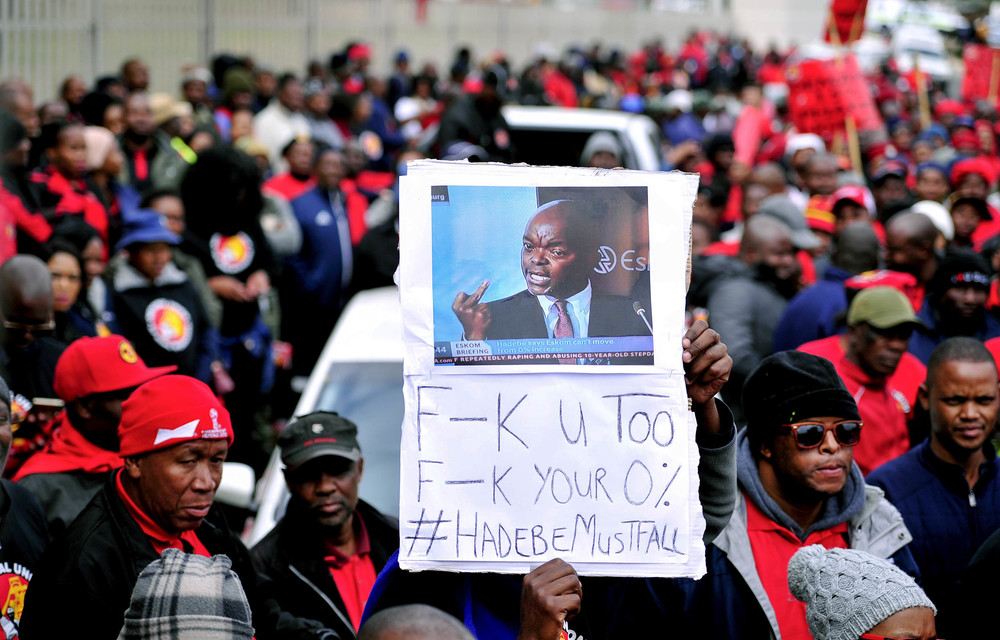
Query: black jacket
[[86, 579], [291, 556]]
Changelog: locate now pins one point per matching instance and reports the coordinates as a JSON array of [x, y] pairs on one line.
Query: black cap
[[791, 386], [318, 434]]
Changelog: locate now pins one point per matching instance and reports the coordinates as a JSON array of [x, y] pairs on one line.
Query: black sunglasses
[[809, 435]]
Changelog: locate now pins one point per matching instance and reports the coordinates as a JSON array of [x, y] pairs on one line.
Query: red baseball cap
[[99, 365], [168, 411], [853, 193], [903, 282]]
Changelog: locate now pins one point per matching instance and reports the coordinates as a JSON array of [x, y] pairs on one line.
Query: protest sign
[[848, 21], [982, 73], [522, 442], [823, 93]]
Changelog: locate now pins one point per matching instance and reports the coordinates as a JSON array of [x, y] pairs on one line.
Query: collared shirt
[[186, 541], [578, 309], [883, 409], [354, 575], [773, 546]]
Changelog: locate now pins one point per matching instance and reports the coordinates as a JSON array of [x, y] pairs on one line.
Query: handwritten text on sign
[[511, 474]]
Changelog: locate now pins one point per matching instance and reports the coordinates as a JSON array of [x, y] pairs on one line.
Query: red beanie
[[168, 411]]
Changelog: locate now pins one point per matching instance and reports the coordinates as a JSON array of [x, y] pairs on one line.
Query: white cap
[[802, 141], [679, 99], [938, 215]]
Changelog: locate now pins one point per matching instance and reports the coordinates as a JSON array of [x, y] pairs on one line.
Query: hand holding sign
[[474, 316], [707, 363], [550, 595]]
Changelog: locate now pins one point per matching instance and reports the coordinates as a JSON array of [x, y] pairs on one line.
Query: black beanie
[[792, 386]]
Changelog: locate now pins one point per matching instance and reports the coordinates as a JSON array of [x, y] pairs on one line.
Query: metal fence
[[43, 41]]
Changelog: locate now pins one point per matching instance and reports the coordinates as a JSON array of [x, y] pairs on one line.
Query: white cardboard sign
[[523, 441]]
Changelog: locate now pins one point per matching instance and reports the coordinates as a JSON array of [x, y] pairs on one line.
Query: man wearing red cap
[[93, 377], [174, 436]]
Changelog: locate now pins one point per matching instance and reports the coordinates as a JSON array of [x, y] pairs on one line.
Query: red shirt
[[773, 546], [185, 541], [68, 450], [288, 186], [909, 375], [884, 410], [354, 575]]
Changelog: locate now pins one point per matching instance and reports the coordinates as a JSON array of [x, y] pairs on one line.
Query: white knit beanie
[[847, 592]]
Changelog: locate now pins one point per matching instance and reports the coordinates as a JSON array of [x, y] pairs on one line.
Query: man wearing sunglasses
[[948, 487], [28, 355], [798, 486]]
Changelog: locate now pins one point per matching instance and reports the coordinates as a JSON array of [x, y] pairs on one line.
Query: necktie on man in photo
[[564, 326]]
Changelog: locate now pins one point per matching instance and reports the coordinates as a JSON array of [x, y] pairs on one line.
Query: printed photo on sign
[[541, 275]]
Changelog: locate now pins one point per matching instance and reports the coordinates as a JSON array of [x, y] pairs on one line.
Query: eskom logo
[[609, 259], [629, 262]]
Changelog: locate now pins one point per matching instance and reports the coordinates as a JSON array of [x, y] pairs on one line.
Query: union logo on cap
[[127, 352]]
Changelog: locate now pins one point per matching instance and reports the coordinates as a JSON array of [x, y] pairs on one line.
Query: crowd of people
[[168, 261]]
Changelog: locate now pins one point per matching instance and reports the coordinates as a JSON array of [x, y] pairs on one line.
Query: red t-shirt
[[185, 541], [354, 575], [884, 410], [773, 546], [909, 375]]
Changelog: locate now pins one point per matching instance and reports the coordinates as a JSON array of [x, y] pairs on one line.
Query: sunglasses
[[809, 435], [872, 636]]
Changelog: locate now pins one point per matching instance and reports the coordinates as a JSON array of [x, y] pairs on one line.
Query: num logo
[[629, 260]]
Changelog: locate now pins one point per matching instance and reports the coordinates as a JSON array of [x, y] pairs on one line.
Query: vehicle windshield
[[371, 396]]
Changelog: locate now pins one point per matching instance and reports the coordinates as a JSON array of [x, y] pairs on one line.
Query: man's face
[[891, 189], [194, 91], [291, 96], [966, 219], [809, 474], [99, 416], [962, 400], [172, 208], [903, 254], [966, 302], [329, 170], [138, 115], [136, 76], [821, 177], [779, 255], [552, 259], [932, 185], [877, 351], [300, 158], [328, 487], [848, 212], [176, 485], [25, 319]]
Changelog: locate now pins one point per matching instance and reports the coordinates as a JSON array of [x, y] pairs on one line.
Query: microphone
[[637, 307]]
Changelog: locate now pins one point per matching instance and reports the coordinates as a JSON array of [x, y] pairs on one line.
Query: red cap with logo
[[168, 411], [100, 365]]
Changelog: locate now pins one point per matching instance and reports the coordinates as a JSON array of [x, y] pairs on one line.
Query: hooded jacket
[[730, 600]]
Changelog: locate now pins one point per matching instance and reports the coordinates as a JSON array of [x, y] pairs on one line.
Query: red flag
[[822, 93], [982, 73], [848, 21]]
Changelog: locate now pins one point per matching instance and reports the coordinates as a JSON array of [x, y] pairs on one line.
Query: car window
[[371, 396], [545, 147]]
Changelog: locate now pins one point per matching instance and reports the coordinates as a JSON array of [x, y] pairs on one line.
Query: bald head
[[558, 250], [914, 227], [413, 622], [25, 296], [819, 174], [909, 243], [762, 230], [770, 176], [856, 249]]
